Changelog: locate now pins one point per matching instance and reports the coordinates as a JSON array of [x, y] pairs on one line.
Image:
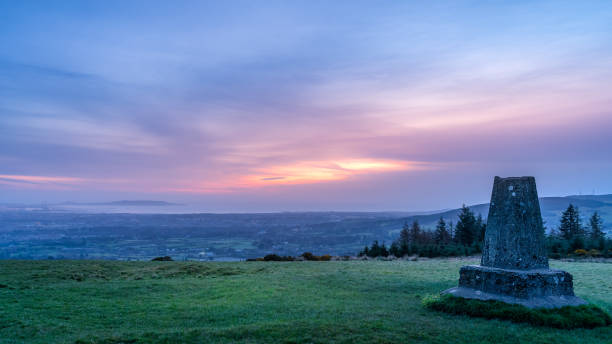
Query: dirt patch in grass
[[197, 270]]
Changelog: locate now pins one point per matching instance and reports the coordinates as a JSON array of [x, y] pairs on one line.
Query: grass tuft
[[568, 317]]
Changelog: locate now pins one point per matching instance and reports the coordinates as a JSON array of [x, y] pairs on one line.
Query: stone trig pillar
[[514, 238], [514, 264]]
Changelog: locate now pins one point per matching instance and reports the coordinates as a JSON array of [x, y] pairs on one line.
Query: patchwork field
[[259, 302]]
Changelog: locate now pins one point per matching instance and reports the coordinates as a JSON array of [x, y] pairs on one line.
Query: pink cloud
[[38, 179]]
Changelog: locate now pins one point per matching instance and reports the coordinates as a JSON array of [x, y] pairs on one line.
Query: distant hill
[[143, 203], [600, 198], [128, 203], [551, 207]]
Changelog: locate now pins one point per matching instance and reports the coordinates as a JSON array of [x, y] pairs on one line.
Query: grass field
[[260, 302]]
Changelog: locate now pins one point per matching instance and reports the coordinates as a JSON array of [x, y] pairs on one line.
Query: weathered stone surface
[[514, 264], [518, 283], [539, 288], [514, 238]]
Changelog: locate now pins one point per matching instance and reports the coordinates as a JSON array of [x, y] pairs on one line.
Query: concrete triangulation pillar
[[514, 238]]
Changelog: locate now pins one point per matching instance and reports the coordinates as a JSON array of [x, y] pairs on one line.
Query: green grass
[[260, 302], [584, 316]]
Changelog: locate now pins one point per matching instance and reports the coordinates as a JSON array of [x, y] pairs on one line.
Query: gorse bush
[[569, 317], [312, 257], [309, 256], [594, 253], [325, 258], [277, 258]]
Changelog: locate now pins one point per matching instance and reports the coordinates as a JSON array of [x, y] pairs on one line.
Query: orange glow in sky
[[302, 172], [321, 171]]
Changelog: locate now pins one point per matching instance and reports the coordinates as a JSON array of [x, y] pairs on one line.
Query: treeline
[[572, 238], [569, 239], [304, 256], [448, 239]]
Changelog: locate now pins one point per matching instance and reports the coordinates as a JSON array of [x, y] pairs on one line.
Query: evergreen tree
[[466, 231], [374, 250], [554, 233], [577, 242], [451, 231], [395, 249], [570, 226], [404, 249], [596, 225], [481, 227], [404, 237], [441, 235], [415, 233], [383, 250]]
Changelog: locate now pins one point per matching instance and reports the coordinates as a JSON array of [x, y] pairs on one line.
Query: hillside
[[551, 208], [299, 302]]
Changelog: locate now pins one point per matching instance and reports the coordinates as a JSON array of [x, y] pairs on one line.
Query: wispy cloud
[[39, 179], [39, 182], [103, 135]]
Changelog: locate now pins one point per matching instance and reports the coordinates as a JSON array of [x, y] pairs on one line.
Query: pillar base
[[541, 288]]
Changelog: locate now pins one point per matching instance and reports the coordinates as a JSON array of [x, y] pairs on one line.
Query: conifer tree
[[570, 226], [441, 235], [480, 228], [404, 237], [383, 250], [375, 249], [404, 248], [395, 249], [465, 229], [415, 232], [596, 225]]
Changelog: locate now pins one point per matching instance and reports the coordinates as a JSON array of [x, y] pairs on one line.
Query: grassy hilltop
[[293, 302]]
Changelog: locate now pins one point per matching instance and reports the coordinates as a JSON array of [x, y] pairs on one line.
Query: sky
[[303, 105]]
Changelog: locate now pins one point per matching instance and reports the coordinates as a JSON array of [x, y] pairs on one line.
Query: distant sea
[[131, 209], [110, 208]]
